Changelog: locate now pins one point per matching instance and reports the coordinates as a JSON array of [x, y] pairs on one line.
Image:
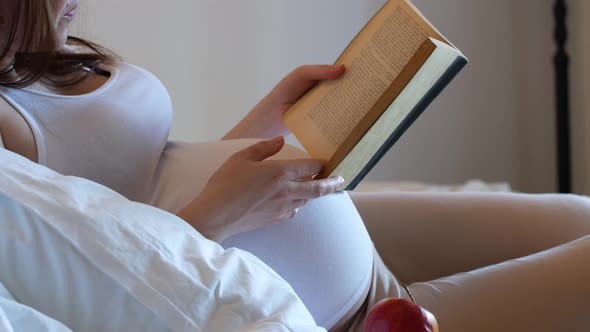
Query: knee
[[576, 204]]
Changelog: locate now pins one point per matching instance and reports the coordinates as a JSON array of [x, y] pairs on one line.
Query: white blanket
[[87, 257]]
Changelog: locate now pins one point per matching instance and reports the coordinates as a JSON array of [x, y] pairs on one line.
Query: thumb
[[303, 78], [262, 150]]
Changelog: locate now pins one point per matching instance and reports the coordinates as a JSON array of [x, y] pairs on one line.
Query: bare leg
[[543, 286], [545, 292], [425, 236]]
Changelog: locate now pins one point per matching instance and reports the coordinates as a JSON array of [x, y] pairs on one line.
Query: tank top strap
[[37, 134]]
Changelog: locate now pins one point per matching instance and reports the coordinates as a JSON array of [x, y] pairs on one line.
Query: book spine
[[440, 85]]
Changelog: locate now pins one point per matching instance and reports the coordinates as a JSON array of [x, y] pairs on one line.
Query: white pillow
[[15, 316], [84, 255]]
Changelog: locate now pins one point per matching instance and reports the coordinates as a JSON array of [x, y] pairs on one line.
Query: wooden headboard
[[562, 61]]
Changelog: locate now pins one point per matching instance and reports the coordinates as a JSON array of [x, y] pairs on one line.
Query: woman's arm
[[265, 120], [16, 135], [248, 192]]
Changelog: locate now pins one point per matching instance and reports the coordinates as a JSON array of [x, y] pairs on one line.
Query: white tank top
[[113, 135]]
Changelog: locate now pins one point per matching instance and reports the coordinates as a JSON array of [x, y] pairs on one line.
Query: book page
[[328, 114], [377, 111], [400, 114]]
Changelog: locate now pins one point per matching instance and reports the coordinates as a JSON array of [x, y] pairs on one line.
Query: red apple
[[399, 315]]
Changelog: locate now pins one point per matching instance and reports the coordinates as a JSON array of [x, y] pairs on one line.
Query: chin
[[62, 31], [61, 42]]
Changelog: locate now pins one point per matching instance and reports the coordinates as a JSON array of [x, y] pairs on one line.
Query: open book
[[395, 67]]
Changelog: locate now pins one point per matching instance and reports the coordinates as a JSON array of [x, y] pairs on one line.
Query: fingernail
[[339, 179], [277, 139]]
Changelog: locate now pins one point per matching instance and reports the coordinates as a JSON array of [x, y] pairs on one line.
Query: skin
[[247, 191], [65, 10], [265, 120]]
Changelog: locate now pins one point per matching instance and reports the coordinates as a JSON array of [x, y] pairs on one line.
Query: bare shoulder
[[16, 134], [1, 140], [3, 111]]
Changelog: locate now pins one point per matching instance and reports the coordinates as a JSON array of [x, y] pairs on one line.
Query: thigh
[[425, 236], [383, 285], [545, 292]]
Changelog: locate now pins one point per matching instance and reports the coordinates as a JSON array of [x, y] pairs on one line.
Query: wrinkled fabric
[[65, 240], [16, 317]]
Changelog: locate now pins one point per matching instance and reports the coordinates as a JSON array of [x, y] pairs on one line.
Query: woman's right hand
[[248, 192]]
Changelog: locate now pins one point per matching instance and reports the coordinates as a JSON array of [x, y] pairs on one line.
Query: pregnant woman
[[479, 262]]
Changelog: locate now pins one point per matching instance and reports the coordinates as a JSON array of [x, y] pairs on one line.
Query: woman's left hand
[[265, 120]]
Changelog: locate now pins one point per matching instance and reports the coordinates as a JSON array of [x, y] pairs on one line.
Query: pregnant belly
[[325, 252]]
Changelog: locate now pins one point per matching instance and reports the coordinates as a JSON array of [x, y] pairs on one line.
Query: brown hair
[[38, 58]]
